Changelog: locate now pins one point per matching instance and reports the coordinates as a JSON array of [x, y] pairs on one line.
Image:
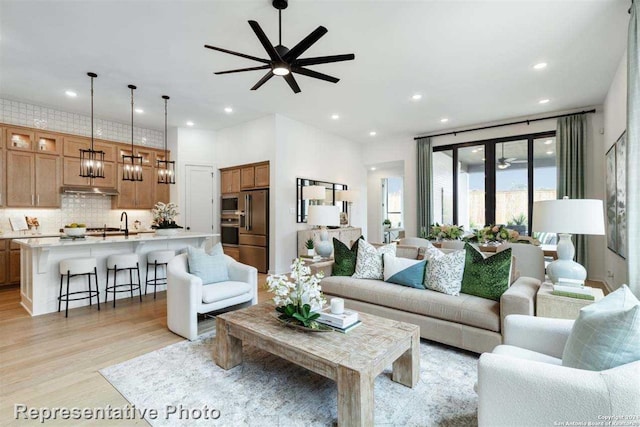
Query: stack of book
[[581, 292], [344, 322]]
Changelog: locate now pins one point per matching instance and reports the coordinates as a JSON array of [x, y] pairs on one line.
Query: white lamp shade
[[313, 192], [346, 195], [570, 216], [323, 215]]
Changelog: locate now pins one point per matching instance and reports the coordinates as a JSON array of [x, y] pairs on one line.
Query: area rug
[[268, 391]]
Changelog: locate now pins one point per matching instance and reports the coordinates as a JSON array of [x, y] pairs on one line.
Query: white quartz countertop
[[41, 242]]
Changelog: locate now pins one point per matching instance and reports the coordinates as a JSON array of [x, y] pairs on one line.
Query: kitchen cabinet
[[19, 139], [136, 194], [33, 180], [232, 251], [247, 177], [230, 181], [1, 137], [3, 264], [46, 142], [163, 192], [9, 263], [148, 156], [71, 175], [14, 266], [2, 169], [73, 145], [262, 175]]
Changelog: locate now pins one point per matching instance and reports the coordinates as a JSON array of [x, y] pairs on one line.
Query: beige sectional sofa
[[464, 321]]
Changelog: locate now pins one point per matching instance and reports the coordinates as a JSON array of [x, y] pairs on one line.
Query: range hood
[[89, 190]]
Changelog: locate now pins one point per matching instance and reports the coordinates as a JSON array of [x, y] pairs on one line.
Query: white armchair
[[187, 296], [523, 382]]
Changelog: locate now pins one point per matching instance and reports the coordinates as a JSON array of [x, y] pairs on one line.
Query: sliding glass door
[[494, 181]]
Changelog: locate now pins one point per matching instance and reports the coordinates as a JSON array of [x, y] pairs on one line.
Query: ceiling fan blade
[[305, 44], [240, 70], [273, 54], [263, 80], [510, 159], [324, 59], [237, 53], [292, 83], [519, 161], [315, 74]]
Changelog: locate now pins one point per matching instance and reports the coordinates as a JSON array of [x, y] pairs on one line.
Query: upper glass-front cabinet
[[20, 139], [48, 143]]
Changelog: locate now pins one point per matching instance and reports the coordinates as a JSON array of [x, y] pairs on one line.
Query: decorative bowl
[[167, 231], [75, 231]]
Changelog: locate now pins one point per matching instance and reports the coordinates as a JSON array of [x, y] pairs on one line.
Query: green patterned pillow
[[486, 277], [344, 263]]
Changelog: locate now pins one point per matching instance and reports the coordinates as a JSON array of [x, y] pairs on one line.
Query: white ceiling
[[471, 61]]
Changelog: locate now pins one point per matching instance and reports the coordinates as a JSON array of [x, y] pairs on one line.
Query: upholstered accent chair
[[529, 259], [523, 382], [187, 295]]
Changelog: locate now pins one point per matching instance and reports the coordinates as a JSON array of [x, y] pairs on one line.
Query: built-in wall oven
[[229, 220], [229, 234], [229, 204]]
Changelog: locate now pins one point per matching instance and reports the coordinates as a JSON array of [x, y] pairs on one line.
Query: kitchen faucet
[[126, 223]]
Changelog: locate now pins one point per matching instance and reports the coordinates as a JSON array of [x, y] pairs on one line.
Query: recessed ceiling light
[[190, 123], [543, 101], [540, 66], [373, 133], [416, 97], [445, 120], [228, 110], [335, 116], [548, 142], [373, 169], [71, 94], [139, 110], [549, 152]]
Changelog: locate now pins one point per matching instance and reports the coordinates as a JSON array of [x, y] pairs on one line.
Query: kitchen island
[[40, 258]]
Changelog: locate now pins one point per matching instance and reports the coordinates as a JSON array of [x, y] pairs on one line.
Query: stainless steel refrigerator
[[254, 229]]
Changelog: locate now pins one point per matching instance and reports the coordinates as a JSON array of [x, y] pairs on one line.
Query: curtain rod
[[505, 124]]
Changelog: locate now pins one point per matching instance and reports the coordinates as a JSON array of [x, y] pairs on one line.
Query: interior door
[[199, 199]]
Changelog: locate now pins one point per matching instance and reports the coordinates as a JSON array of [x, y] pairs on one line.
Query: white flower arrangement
[[298, 296], [164, 215]]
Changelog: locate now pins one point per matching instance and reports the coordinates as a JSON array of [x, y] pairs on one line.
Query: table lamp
[[348, 196], [314, 193], [566, 217], [324, 216]]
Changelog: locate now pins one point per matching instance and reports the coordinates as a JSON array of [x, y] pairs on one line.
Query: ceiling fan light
[[281, 70], [503, 165]]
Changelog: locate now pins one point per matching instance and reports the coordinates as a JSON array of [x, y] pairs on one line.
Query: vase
[[167, 231], [311, 252]]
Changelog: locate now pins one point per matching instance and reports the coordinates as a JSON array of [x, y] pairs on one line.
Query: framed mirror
[[302, 205]]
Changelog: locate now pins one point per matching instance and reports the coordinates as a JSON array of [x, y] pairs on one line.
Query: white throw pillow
[[369, 260], [606, 334], [444, 270]]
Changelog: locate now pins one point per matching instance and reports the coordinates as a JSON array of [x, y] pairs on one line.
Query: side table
[[559, 307]]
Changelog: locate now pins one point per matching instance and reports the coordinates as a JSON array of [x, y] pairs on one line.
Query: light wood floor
[[53, 361]]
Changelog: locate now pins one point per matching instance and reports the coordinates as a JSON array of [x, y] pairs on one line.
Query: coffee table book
[[344, 330], [341, 321]]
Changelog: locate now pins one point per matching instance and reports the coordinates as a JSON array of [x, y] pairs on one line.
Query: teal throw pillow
[[606, 333], [404, 271], [486, 277], [344, 262], [210, 268]]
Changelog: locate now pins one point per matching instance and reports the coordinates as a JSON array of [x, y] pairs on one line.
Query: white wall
[[615, 122], [374, 197], [405, 150], [307, 152]]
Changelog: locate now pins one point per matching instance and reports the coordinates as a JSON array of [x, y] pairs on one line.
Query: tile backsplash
[[30, 115], [93, 210]]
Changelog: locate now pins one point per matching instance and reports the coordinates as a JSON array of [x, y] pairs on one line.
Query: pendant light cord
[[166, 152], [131, 87], [91, 113]]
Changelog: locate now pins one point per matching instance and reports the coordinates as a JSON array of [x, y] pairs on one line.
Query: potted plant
[[518, 223], [310, 247], [386, 224], [164, 219]]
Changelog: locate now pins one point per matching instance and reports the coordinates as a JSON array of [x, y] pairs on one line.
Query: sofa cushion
[[210, 268], [486, 277], [369, 260], [606, 334], [444, 270], [344, 258], [224, 290], [404, 271], [465, 309]]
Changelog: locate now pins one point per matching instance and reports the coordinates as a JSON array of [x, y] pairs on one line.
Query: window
[[494, 181], [392, 200]]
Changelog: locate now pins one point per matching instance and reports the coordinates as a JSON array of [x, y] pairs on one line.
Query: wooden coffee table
[[353, 360]]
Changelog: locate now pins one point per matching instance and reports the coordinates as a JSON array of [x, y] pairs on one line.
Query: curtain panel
[[571, 142], [633, 149], [425, 181]]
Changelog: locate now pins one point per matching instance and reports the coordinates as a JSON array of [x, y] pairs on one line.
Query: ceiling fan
[[504, 163], [282, 60]]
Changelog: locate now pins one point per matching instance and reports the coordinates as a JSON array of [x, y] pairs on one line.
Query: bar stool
[[157, 259], [77, 267], [122, 262]]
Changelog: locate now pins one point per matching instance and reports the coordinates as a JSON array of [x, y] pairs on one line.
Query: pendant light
[[166, 168], [91, 161], [132, 168]]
